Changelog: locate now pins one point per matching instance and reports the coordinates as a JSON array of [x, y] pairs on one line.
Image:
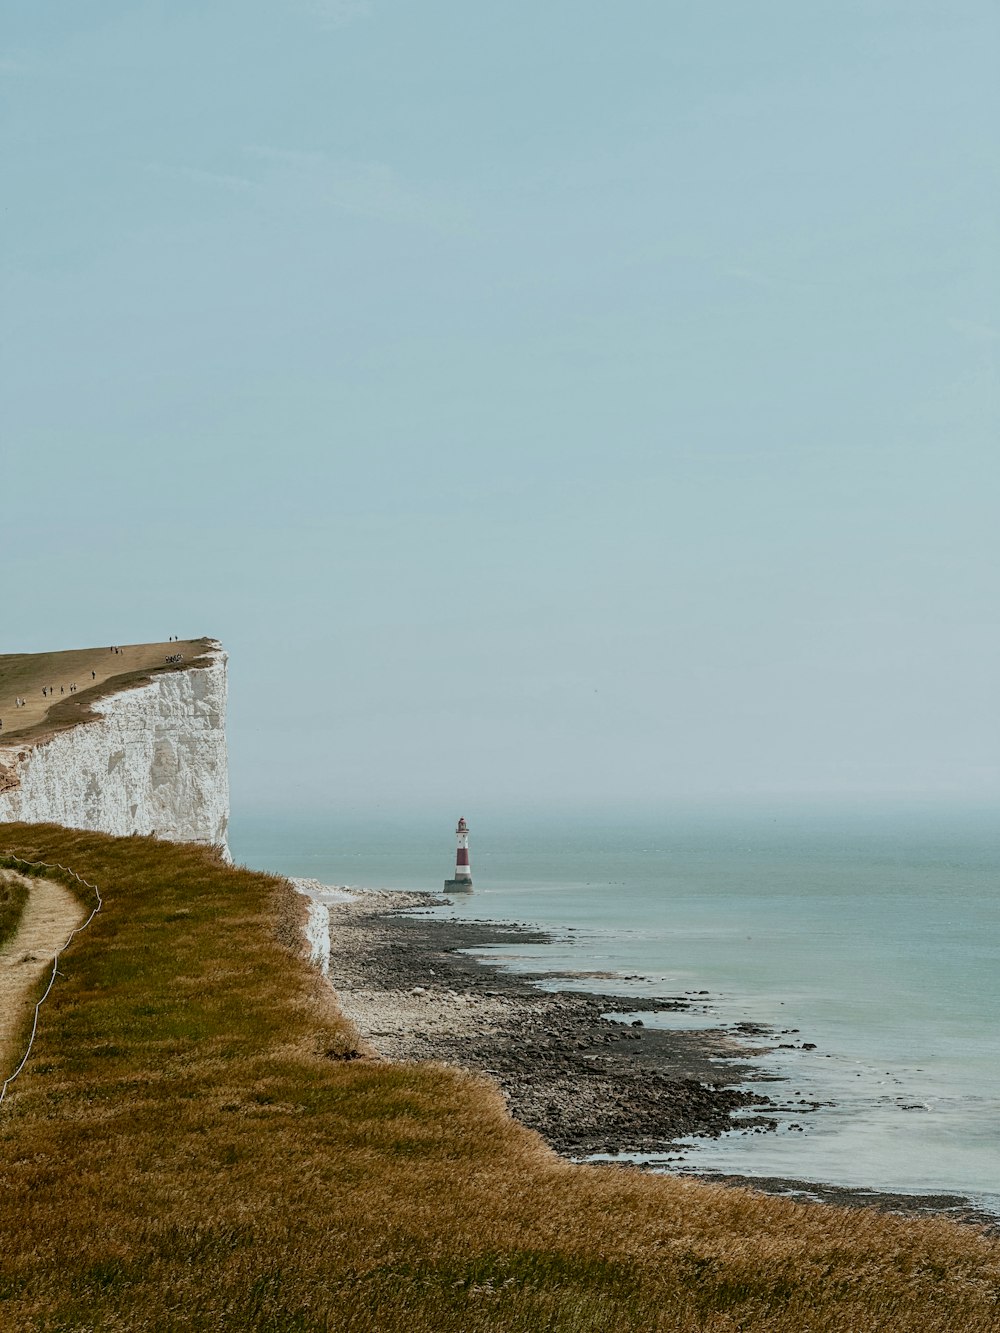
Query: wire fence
[[7, 858]]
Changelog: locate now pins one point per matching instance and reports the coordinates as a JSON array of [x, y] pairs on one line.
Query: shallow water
[[874, 932]]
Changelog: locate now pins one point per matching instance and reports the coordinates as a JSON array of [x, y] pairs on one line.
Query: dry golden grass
[[186, 1151], [25, 675]]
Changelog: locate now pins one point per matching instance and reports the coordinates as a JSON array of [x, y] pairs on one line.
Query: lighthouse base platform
[[458, 886]]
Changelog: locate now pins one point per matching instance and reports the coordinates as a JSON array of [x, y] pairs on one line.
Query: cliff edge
[[118, 740]]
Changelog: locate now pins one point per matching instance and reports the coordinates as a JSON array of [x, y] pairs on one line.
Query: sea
[[871, 931]]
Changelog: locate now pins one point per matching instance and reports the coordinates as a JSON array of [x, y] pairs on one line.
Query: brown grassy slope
[[23, 675], [187, 1151], [13, 896]]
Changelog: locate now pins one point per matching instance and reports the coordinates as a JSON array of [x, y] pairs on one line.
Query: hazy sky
[[544, 403]]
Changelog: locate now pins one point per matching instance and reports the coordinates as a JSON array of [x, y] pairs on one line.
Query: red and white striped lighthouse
[[463, 868]]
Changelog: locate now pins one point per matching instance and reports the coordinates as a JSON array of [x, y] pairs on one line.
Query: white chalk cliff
[[152, 761]]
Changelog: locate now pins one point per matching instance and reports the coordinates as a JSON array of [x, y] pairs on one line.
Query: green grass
[[13, 896], [185, 1152]]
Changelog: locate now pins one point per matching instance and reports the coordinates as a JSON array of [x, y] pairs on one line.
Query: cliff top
[[72, 681]]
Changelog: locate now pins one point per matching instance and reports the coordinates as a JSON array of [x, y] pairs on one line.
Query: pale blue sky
[[561, 403]]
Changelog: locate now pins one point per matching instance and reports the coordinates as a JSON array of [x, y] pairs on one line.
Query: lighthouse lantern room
[[462, 882]]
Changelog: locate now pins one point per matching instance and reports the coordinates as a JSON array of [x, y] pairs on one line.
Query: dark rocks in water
[[585, 1082], [954, 1206]]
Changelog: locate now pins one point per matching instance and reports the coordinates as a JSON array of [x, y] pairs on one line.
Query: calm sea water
[[873, 932]]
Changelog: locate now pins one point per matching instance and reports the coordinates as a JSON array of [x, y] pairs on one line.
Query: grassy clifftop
[[196, 1144], [95, 673]]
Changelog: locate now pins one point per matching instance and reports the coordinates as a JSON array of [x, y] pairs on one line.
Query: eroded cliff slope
[[144, 752]]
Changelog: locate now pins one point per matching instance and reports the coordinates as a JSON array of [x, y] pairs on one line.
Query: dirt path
[[24, 675], [50, 914]]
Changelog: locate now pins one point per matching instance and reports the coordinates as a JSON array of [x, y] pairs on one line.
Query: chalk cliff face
[[153, 761]]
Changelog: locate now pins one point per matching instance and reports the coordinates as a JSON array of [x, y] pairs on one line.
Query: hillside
[[95, 672], [199, 1143]]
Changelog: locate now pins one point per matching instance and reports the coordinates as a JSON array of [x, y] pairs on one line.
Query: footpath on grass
[[200, 1141], [50, 914]]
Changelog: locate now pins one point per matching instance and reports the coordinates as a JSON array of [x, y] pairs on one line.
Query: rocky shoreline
[[588, 1083]]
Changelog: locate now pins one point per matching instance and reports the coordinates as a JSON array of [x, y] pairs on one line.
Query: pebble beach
[[594, 1084]]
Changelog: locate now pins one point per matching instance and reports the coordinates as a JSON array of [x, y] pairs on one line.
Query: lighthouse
[[462, 882]]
